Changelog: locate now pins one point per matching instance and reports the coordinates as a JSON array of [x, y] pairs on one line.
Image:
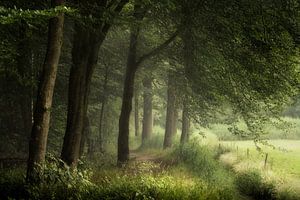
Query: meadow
[[278, 160]]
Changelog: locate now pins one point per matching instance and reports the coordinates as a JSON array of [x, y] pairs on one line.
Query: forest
[[150, 99]]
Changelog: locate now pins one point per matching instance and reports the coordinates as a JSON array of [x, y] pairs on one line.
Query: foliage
[[56, 182], [232, 58], [200, 158], [10, 16], [137, 181], [252, 184], [12, 184]]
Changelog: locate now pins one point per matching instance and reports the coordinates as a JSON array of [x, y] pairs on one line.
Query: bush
[[58, 181], [252, 184], [12, 184], [199, 158], [288, 195]]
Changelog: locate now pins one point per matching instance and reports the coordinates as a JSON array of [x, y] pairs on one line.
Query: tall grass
[[201, 161]]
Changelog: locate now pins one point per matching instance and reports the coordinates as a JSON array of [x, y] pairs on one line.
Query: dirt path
[[144, 157]]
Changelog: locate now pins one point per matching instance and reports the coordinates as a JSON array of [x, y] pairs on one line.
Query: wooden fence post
[[247, 153], [266, 160]]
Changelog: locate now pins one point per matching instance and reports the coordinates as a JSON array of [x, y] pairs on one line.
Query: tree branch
[[157, 49]]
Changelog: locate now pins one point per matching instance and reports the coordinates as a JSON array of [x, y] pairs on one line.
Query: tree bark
[[171, 109], [185, 132], [84, 57], [85, 136], [123, 143], [39, 133], [147, 116], [85, 51], [174, 125], [136, 113]]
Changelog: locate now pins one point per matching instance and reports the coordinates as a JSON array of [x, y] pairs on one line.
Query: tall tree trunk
[[85, 135], [39, 133], [84, 57], [147, 116], [101, 136], [89, 141], [175, 117], [136, 113], [123, 143], [104, 99], [171, 109], [85, 51], [185, 132]]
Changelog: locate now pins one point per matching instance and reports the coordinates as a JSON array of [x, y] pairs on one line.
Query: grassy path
[[161, 165]]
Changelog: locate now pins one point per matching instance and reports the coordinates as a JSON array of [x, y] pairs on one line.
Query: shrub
[[199, 158], [287, 195], [12, 184], [58, 181], [202, 161], [252, 184]]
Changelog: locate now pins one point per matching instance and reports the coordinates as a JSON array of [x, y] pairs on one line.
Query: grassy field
[[282, 165]]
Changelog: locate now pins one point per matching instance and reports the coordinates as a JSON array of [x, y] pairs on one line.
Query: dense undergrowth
[[191, 171]]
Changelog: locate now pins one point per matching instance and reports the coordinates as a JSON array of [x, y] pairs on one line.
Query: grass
[[283, 162], [190, 171], [169, 175]]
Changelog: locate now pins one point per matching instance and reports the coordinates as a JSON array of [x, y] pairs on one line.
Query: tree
[[171, 112], [233, 57], [131, 68], [103, 104], [133, 62], [39, 133], [21, 41], [87, 42], [185, 131], [147, 114], [136, 112]]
